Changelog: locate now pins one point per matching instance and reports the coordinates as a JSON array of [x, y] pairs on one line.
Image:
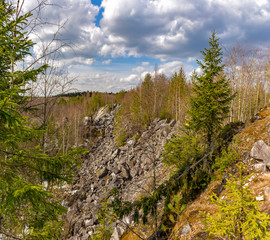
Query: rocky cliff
[[129, 168]]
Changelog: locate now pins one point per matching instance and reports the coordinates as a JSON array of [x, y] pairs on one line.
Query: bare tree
[[247, 69]]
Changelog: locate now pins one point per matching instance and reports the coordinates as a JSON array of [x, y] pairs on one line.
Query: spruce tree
[[27, 207], [209, 106]]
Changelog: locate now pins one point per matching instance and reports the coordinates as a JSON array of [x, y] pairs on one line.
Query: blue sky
[[116, 42]]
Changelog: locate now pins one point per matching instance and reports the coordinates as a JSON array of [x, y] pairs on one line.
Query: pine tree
[[238, 215], [212, 95], [27, 208]]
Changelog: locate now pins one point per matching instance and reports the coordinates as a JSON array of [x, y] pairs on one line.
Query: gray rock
[[88, 222], [124, 172], [115, 153], [186, 230], [260, 167], [115, 235], [172, 123], [100, 113], [102, 172], [261, 151]]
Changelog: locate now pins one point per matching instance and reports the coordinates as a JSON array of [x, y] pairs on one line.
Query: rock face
[[261, 151], [128, 168]]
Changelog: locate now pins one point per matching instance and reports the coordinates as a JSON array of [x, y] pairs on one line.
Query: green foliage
[[106, 218], [119, 96], [50, 231], [176, 209], [96, 103], [24, 202], [228, 158], [238, 215], [181, 151], [212, 95], [165, 114], [119, 131]]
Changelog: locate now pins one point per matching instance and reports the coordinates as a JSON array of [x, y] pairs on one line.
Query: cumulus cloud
[[172, 31], [160, 28], [130, 78], [178, 28]]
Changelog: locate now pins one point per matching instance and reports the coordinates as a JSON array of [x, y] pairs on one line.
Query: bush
[[238, 215]]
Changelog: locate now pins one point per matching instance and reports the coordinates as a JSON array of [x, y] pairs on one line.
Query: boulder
[[186, 230], [100, 113], [260, 167], [124, 172], [102, 172], [115, 235], [261, 151]]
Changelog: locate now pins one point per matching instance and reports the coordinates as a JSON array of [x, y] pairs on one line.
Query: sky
[[116, 42]]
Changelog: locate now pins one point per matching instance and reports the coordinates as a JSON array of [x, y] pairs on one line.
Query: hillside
[[130, 168], [189, 224]]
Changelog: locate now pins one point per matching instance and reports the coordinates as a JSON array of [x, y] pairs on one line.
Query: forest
[[41, 134]]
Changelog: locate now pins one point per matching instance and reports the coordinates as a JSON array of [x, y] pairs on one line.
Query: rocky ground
[[129, 168]]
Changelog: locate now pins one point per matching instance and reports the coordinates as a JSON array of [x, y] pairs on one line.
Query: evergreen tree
[[212, 95], [238, 215], [27, 208]]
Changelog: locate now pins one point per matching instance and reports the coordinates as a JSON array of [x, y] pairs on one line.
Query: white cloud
[[130, 78], [172, 31], [106, 62], [138, 69]]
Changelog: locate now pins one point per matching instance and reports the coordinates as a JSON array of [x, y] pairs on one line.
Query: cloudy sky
[[114, 42]]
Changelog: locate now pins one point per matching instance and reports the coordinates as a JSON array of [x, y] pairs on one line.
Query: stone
[[146, 160], [85, 237], [87, 121], [185, 230], [115, 153], [100, 113], [124, 172], [260, 198], [88, 222], [102, 172], [115, 235], [260, 167], [267, 193], [172, 123], [261, 151], [134, 172]]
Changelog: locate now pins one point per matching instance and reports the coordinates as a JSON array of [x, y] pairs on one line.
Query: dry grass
[[193, 214], [255, 131]]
